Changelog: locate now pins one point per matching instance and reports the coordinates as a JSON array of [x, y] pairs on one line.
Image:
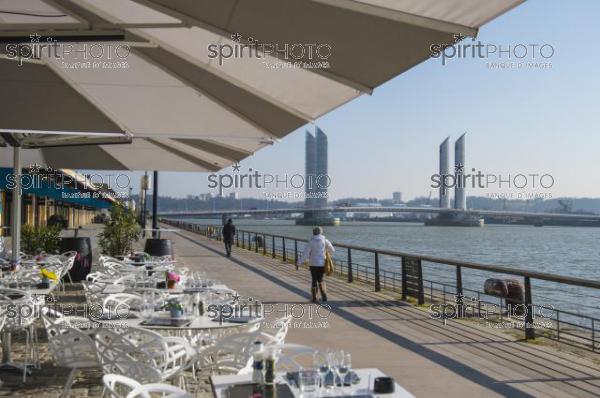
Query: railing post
[[283, 247], [377, 280], [243, 240], [273, 245], [350, 276], [529, 330], [593, 336], [256, 241], [264, 245], [404, 284], [421, 292], [459, 292], [237, 239], [295, 251]]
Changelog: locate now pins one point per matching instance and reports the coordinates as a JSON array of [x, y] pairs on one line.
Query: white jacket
[[315, 251]]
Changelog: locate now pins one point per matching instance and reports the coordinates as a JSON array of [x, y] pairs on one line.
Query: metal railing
[[561, 325]]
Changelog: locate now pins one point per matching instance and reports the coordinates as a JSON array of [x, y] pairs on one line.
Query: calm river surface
[[569, 251]]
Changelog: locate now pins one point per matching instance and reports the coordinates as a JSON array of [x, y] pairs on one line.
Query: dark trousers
[[316, 274], [228, 244]]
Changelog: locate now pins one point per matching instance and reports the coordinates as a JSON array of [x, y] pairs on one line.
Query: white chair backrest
[[20, 307], [118, 386], [4, 303], [233, 352], [138, 353], [100, 277], [158, 390], [291, 357], [122, 302], [125, 279], [277, 333], [70, 346]]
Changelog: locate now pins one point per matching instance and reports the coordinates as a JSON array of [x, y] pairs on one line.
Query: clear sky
[[528, 120]]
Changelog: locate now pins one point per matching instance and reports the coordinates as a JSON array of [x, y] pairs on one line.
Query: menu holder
[[235, 319], [171, 322], [257, 391], [114, 317], [201, 290]]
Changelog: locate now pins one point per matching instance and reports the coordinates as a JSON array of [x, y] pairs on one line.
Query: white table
[[112, 289], [220, 383], [203, 323]]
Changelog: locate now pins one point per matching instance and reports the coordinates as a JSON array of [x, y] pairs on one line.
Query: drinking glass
[[344, 366], [147, 306], [189, 306], [308, 381], [339, 368], [321, 363]]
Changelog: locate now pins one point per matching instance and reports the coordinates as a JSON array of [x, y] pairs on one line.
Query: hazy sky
[[526, 121]]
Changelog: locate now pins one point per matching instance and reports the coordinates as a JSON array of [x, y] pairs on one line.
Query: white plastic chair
[[158, 390], [118, 303], [144, 355], [118, 386], [232, 354], [70, 346], [289, 356], [275, 336], [68, 264], [22, 321]]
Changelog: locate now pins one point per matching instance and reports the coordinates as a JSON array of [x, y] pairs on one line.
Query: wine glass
[[321, 363], [344, 366], [339, 369]]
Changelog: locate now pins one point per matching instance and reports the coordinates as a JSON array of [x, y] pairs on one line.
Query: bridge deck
[[426, 357]]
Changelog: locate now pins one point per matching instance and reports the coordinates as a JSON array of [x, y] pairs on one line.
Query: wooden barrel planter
[[159, 247]]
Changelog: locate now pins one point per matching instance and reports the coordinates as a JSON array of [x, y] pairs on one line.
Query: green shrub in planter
[[46, 238], [121, 230]]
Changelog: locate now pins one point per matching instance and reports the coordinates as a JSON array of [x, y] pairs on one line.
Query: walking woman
[[314, 252]]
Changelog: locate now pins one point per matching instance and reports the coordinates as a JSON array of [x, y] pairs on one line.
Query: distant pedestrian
[[314, 252], [228, 234]]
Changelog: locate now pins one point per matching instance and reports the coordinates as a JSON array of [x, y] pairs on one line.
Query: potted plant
[[172, 279], [40, 239], [175, 308], [121, 230]]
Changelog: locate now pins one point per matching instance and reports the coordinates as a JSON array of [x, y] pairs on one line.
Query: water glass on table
[[147, 306], [189, 306], [308, 383]]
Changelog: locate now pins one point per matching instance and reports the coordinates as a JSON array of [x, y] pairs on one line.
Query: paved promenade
[[426, 357]]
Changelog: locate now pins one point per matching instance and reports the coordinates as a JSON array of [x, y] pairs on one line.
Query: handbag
[[328, 263]]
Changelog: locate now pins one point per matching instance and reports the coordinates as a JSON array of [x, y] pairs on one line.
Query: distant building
[[316, 181], [397, 197], [444, 171], [460, 195], [233, 195]]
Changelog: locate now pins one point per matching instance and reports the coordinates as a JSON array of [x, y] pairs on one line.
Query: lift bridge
[[534, 216]]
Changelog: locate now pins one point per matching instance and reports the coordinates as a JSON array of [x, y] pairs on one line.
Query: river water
[[568, 251]]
